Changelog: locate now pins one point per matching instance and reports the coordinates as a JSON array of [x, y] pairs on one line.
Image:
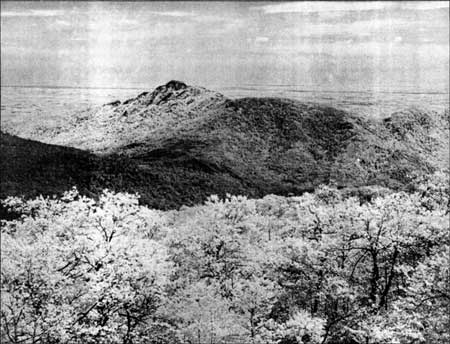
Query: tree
[[323, 267], [77, 270]]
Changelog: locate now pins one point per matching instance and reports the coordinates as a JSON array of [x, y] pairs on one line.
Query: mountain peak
[[173, 90], [176, 85]]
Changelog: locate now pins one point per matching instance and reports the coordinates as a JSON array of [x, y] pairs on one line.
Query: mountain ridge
[[185, 143]]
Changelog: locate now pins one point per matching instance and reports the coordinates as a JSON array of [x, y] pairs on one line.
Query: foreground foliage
[[320, 268]]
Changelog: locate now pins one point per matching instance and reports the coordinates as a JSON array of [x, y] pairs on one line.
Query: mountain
[[30, 168], [179, 144]]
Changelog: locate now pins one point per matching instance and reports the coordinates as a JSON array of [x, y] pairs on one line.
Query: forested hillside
[[179, 144], [320, 268]]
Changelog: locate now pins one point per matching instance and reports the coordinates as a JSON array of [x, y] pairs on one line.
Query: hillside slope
[[30, 168], [179, 144]]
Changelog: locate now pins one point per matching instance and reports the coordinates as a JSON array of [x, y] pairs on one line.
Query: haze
[[326, 45]]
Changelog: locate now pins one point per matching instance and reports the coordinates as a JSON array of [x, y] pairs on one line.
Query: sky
[[326, 45]]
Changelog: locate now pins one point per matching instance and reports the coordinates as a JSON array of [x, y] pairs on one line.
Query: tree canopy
[[325, 267]]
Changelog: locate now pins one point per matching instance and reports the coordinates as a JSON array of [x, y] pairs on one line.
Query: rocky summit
[[179, 144], [169, 110]]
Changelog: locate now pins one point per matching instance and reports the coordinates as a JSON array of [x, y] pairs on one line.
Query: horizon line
[[73, 87], [399, 89]]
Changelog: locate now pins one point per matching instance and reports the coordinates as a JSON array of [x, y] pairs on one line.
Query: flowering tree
[[320, 268], [76, 270]]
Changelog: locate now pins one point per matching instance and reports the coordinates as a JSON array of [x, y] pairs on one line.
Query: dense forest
[[323, 267]]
